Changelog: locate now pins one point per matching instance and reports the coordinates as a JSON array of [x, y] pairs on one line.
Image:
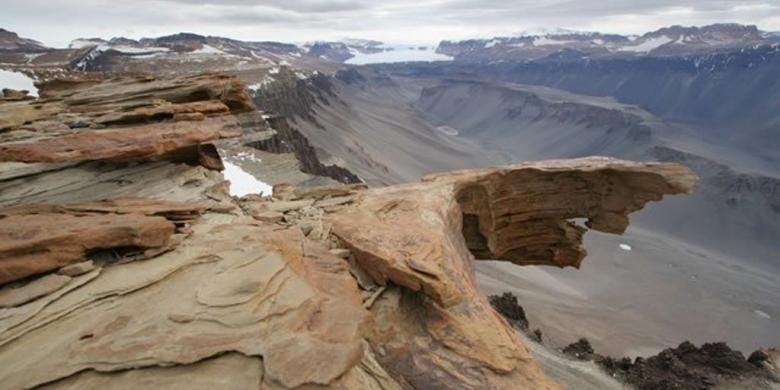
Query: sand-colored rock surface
[[37, 239], [124, 118], [420, 239], [329, 287]]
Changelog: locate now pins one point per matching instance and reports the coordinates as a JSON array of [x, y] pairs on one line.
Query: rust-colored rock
[[232, 287], [424, 236], [37, 239], [338, 287], [126, 118], [137, 143]]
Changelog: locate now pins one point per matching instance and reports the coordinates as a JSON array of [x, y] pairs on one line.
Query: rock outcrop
[[126, 263], [37, 239]]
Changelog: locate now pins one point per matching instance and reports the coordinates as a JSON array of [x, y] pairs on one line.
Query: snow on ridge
[[648, 45], [208, 49], [547, 41], [492, 43], [135, 50]]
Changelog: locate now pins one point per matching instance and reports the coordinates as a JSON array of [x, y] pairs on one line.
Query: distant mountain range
[[528, 45], [667, 41]]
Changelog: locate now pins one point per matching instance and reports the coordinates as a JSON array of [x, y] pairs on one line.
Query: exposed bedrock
[[125, 118], [422, 238], [119, 271]]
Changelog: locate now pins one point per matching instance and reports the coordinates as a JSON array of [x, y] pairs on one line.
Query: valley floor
[[635, 303]]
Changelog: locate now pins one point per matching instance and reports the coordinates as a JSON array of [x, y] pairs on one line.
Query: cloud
[[57, 22], [302, 6]]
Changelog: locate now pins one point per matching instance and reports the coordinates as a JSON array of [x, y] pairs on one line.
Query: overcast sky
[[57, 22]]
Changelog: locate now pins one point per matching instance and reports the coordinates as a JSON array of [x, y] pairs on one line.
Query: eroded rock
[[432, 321], [37, 239], [331, 287], [125, 118]]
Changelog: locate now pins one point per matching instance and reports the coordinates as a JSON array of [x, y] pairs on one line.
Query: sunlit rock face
[[125, 261], [420, 239]]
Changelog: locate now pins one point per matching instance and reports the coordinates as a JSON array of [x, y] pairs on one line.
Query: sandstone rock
[[519, 213], [275, 296], [15, 296], [96, 181], [77, 269], [335, 287], [130, 143], [422, 238], [37, 239], [340, 252], [14, 95], [283, 191], [126, 118]]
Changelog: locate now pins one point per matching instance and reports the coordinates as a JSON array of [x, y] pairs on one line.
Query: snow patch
[[257, 86], [447, 130], [17, 81], [247, 156], [208, 49], [135, 50], [625, 247], [547, 41], [762, 314], [648, 45], [403, 53], [243, 183], [492, 43]]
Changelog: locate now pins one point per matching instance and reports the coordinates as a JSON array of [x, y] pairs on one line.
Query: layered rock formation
[[126, 263]]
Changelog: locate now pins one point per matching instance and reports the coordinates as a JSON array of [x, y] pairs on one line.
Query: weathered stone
[[15, 95], [230, 287], [15, 296], [421, 237], [129, 143], [331, 203], [341, 252], [283, 191], [37, 239], [233, 297], [125, 118], [77, 269]]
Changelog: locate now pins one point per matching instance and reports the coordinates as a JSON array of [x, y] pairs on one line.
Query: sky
[[57, 22]]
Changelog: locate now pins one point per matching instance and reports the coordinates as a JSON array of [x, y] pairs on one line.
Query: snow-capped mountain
[[675, 40]]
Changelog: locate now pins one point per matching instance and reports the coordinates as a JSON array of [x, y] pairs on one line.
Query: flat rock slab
[[38, 239], [123, 118]]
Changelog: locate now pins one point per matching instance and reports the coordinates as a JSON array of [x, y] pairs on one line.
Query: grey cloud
[[58, 21], [302, 6]]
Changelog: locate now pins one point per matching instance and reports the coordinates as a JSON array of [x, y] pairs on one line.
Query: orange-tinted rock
[[132, 143], [126, 118], [424, 237], [37, 239]]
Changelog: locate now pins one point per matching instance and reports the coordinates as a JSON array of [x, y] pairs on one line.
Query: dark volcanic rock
[[581, 350], [507, 305], [688, 367]]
